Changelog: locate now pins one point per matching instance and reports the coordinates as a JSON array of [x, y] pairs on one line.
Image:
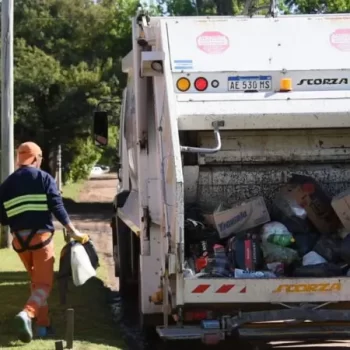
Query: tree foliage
[[235, 7], [67, 58]]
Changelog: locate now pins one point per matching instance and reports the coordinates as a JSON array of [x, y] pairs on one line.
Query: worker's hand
[[79, 237]]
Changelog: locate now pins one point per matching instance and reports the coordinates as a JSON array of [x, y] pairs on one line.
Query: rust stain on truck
[[308, 288]]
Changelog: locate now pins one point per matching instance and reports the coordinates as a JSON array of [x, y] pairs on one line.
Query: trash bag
[[345, 249], [253, 274], [304, 243], [329, 248], [189, 269], [319, 270], [287, 211], [196, 236], [274, 253], [248, 253], [276, 233], [231, 253], [65, 269], [342, 232], [310, 195], [196, 232], [312, 258], [82, 269], [277, 268]]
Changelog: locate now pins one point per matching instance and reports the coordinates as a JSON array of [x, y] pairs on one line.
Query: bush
[[81, 155], [109, 154]]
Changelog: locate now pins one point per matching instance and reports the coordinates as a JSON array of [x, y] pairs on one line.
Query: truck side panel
[[259, 44]]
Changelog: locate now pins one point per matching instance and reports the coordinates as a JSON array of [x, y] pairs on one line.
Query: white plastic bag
[[312, 258], [82, 269], [273, 228]]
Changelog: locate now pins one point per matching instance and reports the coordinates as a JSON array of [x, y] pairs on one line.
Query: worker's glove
[[79, 237]]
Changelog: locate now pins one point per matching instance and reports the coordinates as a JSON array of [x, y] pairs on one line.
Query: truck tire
[[124, 235]]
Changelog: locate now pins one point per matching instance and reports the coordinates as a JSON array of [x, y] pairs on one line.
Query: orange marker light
[[286, 85], [183, 84]]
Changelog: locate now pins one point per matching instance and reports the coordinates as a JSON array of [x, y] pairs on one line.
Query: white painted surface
[[265, 290]]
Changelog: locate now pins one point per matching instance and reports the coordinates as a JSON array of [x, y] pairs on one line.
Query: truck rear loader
[[224, 109]]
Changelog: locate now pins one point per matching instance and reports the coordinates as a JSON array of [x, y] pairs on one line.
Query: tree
[[67, 58], [55, 104], [318, 6]]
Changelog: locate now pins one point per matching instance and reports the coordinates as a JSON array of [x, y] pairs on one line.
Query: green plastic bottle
[[283, 240]]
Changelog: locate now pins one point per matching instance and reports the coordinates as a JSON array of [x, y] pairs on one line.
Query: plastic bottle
[[253, 274], [282, 240]]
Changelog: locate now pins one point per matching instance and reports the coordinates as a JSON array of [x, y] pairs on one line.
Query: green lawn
[[72, 190], [94, 329]]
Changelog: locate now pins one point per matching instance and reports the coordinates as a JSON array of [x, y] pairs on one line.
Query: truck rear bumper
[[277, 325], [286, 290]]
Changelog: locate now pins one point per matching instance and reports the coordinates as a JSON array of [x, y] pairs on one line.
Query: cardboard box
[[242, 216], [309, 195], [341, 205]]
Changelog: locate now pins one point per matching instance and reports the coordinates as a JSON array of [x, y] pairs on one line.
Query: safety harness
[[25, 243]]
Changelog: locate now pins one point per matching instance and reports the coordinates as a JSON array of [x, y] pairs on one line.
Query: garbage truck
[[225, 110]]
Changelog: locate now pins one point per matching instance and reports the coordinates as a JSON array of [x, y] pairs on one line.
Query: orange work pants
[[40, 266]]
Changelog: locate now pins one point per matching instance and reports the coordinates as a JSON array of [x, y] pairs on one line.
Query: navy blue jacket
[[28, 197]]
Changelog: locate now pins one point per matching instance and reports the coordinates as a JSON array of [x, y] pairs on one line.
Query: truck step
[[271, 334], [184, 333]]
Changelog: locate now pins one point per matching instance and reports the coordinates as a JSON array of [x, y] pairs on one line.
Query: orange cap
[[27, 153]]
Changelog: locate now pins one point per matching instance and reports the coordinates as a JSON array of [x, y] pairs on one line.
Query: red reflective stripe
[[225, 288], [244, 290], [201, 288]]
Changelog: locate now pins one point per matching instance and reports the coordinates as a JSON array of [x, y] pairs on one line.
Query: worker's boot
[[23, 325], [44, 332]]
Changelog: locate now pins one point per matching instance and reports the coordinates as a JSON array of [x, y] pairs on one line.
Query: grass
[[94, 329], [72, 190]]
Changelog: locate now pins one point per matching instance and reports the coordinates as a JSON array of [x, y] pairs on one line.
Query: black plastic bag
[[304, 243], [196, 234], [319, 270], [345, 249], [65, 261], [329, 248], [65, 269], [287, 211]]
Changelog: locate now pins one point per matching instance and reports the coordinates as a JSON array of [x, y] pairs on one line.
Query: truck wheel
[[124, 257]]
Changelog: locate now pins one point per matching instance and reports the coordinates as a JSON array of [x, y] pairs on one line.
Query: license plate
[[250, 83]]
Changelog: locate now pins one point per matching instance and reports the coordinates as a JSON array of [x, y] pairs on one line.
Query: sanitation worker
[[28, 197]]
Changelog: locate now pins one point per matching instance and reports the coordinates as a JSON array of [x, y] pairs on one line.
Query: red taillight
[[201, 84], [196, 315]]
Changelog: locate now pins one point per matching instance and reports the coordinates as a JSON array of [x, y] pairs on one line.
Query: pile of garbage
[[304, 234]]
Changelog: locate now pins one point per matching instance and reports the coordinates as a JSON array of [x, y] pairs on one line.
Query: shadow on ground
[[93, 320], [104, 177], [88, 207]]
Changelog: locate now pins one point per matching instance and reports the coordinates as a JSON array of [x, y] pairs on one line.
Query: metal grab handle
[[217, 148]]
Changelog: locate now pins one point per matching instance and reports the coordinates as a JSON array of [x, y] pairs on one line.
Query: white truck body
[[265, 136]]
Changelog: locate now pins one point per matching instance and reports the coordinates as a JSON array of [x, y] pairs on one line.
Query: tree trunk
[[47, 160]]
